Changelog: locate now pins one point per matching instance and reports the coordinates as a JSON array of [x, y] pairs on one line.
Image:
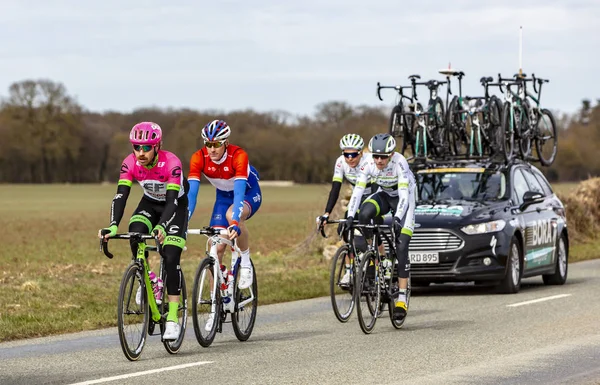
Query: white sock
[[245, 259]]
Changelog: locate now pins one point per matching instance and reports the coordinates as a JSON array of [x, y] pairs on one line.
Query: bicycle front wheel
[[341, 284], [246, 304], [206, 303], [546, 138], [182, 314], [367, 292], [395, 124], [133, 312], [507, 134]]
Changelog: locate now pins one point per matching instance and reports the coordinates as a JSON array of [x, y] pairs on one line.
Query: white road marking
[[538, 300], [137, 374]]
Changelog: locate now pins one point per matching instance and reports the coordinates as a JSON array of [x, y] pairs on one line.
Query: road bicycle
[[372, 288], [216, 293], [542, 126], [454, 117], [400, 122], [137, 317], [481, 124]]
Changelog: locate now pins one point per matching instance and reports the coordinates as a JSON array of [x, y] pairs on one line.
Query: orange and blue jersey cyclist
[[226, 167], [162, 209]]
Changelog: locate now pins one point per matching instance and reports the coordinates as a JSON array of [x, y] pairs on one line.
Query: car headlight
[[482, 228]]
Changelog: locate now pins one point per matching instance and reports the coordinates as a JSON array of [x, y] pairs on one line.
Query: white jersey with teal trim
[[396, 179], [343, 171]]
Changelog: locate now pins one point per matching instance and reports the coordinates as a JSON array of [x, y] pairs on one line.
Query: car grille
[[431, 240], [434, 268]]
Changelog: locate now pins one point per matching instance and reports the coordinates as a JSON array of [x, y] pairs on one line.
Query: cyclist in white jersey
[[346, 167], [390, 171]]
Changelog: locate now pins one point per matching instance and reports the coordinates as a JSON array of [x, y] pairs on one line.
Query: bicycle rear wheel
[[546, 138], [342, 295], [395, 125], [455, 124], [246, 304], [367, 292], [206, 301], [133, 317], [182, 314], [526, 132], [507, 134]]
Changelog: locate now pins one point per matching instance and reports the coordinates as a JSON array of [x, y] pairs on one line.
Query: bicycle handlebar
[[139, 236], [210, 231], [397, 88], [355, 225]]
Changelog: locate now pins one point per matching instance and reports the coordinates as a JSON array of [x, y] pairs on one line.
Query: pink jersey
[[156, 180]]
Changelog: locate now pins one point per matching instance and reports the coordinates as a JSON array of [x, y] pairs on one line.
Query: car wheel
[[514, 269], [560, 274]]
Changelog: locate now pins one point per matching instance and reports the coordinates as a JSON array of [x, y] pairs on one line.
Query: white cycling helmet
[[382, 144], [352, 141]]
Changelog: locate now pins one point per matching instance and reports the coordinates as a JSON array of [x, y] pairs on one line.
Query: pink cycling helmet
[[145, 133]]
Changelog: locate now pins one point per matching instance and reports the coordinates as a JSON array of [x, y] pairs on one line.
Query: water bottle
[[225, 276], [230, 285], [387, 266], [157, 286]]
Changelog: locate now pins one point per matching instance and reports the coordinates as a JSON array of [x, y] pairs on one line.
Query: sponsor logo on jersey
[[124, 169], [145, 213], [176, 172], [173, 229]]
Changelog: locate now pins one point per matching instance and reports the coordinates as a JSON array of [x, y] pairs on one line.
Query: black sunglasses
[[351, 155], [379, 156], [145, 147]]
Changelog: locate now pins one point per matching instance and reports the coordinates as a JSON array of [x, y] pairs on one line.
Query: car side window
[[520, 186], [534, 185], [545, 185]]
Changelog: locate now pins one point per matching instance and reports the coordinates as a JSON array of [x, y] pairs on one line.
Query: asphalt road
[[454, 335]]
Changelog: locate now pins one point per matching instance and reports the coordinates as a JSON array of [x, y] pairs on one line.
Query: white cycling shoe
[[346, 278], [172, 331], [246, 277], [210, 322]]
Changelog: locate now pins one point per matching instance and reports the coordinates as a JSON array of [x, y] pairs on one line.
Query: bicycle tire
[[127, 292], [396, 128], [201, 278], [494, 119], [182, 314], [459, 144], [525, 133], [339, 259], [507, 135], [370, 289], [243, 333], [539, 141], [440, 144]]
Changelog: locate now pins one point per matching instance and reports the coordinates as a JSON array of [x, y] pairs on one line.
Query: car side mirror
[[530, 198]]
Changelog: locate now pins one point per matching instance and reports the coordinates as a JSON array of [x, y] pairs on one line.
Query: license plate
[[424, 257]]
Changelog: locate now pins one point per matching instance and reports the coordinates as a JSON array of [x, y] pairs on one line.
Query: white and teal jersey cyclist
[[390, 171], [346, 168]]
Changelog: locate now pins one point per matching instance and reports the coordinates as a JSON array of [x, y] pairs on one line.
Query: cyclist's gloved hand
[[346, 226], [321, 220], [159, 232], [108, 232], [234, 230], [397, 226]]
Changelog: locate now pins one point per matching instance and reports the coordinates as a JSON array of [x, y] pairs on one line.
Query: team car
[[489, 223]]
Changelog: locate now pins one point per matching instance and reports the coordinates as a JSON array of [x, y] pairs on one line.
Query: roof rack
[[492, 163]]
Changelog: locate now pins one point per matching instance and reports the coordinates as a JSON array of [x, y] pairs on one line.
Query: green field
[[54, 278]]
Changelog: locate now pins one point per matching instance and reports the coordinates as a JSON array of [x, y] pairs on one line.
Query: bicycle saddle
[[451, 72], [521, 76], [487, 79], [414, 77]]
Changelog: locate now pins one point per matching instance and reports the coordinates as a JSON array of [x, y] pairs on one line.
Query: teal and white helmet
[[382, 144], [352, 141]]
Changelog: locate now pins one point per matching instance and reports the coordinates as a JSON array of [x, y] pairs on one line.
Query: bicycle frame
[[141, 260], [226, 289]]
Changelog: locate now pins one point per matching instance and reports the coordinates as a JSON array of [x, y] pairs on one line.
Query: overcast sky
[[291, 55]]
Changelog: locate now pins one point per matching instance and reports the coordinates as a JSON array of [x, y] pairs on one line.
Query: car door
[[541, 228]]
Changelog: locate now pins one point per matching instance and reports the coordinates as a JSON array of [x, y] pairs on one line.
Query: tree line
[[47, 137]]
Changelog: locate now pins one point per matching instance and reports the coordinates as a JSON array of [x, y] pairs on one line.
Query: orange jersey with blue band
[[232, 175]]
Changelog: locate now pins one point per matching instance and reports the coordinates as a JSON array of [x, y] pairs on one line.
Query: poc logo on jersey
[[541, 232]]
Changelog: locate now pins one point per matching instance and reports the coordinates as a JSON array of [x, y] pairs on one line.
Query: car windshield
[[460, 184]]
